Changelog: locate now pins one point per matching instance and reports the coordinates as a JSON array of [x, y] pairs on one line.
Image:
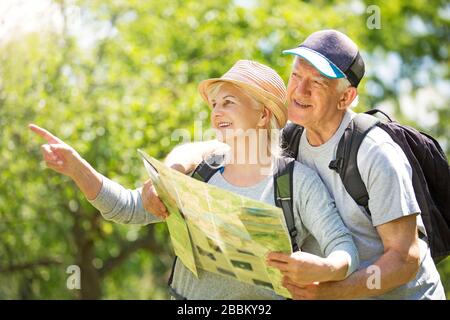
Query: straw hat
[[258, 79]]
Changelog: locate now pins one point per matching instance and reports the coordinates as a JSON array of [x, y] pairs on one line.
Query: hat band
[[351, 76]]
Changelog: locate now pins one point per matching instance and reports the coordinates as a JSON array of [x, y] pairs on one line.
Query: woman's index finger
[[44, 134]]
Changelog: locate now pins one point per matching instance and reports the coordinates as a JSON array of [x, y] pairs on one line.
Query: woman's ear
[[264, 118]]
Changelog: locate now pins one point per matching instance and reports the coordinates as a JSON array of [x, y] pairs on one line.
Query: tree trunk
[[90, 278]]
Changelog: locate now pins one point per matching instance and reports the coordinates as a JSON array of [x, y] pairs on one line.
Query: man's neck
[[323, 132]]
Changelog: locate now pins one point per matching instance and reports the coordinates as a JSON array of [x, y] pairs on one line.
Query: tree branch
[[42, 262], [147, 241]]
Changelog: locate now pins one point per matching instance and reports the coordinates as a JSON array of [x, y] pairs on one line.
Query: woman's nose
[[217, 110]]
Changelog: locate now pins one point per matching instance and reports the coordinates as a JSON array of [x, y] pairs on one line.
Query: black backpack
[[430, 171], [283, 185]]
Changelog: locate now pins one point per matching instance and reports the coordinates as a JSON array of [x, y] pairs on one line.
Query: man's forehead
[[302, 65]]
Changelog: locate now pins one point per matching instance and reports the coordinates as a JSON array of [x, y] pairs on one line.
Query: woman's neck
[[248, 166], [245, 175]]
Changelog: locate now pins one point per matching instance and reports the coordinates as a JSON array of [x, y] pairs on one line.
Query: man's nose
[[303, 88]]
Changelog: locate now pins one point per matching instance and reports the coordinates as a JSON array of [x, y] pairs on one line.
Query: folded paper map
[[219, 231]]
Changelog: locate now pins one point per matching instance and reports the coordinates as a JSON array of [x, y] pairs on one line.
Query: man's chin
[[296, 118]]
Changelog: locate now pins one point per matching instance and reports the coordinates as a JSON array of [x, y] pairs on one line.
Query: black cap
[[333, 54]]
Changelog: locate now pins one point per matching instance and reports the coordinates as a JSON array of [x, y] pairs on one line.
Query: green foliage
[[131, 86]]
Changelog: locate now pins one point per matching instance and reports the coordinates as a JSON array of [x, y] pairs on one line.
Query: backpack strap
[[283, 189], [373, 112], [290, 140], [203, 172], [207, 168], [346, 157]]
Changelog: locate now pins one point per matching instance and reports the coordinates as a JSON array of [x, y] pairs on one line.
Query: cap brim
[[318, 61]]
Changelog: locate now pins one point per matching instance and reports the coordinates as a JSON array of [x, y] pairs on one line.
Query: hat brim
[[318, 61], [266, 97]]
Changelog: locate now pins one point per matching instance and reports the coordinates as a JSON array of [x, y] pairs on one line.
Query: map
[[219, 231]]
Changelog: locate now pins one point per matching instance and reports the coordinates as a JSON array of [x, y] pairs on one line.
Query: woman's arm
[[88, 180], [122, 205], [111, 199], [319, 216]]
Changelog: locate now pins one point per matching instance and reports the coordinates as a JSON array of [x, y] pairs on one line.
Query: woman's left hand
[[151, 201], [301, 268]]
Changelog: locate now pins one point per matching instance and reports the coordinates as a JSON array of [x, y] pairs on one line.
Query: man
[[396, 264]]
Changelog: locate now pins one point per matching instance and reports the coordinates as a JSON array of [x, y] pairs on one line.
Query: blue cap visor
[[318, 61]]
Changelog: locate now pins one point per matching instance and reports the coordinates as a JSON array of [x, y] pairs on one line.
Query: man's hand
[[313, 291], [397, 266], [151, 201], [186, 157]]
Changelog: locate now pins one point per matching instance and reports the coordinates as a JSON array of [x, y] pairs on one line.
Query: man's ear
[[347, 98], [265, 118]]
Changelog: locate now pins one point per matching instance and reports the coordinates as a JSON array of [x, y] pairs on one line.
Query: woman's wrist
[[87, 179], [337, 265]]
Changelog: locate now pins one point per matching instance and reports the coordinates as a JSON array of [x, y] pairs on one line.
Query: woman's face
[[234, 113]]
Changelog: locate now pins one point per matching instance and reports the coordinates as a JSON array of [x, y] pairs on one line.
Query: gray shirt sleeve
[[122, 205], [317, 215]]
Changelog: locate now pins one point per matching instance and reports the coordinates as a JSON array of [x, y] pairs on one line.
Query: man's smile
[[301, 105]]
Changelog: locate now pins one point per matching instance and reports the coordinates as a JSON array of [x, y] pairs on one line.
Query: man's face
[[312, 98]]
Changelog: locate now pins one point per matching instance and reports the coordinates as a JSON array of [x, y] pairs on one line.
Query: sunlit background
[[109, 77]]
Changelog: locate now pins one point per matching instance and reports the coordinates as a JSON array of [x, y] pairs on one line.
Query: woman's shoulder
[[303, 173]]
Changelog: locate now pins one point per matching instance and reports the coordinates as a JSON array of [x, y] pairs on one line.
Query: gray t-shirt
[[386, 173], [314, 213]]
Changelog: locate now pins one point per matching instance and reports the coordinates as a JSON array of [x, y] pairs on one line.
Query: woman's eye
[[213, 105]]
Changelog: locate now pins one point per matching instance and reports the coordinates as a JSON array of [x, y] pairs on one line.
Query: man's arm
[[186, 157], [397, 266]]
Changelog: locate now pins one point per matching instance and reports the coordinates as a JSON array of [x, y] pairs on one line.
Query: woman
[[247, 101]]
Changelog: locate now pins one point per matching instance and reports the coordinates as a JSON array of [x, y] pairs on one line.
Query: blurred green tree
[[120, 75]]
